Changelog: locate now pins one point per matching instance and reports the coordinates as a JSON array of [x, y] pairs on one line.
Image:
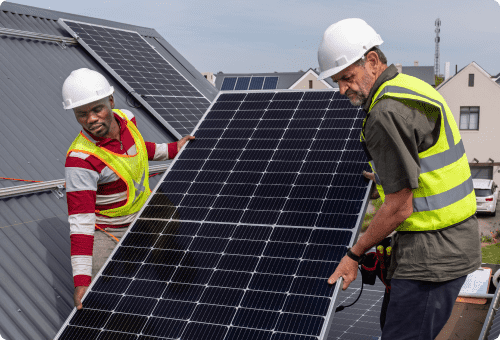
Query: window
[[471, 80], [310, 84], [483, 172], [206, 76], [469, 117]]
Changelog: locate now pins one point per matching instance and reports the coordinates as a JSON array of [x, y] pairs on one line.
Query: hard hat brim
[[71, 105]]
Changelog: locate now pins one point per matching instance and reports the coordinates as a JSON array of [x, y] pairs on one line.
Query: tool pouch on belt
[[375, 265]]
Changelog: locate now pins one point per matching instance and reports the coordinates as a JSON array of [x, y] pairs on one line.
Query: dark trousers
[[417, 310]]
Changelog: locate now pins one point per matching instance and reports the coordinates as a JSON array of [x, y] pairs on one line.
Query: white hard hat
[[84, 86], [343, 44]]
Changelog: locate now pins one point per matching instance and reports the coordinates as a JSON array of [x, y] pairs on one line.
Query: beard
[[359, 98]]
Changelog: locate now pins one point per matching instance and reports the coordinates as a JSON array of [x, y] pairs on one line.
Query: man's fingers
[[369, 175], [78, 296], [346, 284], [333, 278]]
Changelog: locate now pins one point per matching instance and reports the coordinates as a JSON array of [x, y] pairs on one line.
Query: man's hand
[[348, 269], [369, 175], [183, 141], [78, 296]]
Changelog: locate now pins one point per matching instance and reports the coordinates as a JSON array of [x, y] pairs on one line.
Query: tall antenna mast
[[436, 55]]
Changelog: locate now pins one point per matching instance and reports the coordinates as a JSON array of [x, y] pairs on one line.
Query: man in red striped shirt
[[106, 173]]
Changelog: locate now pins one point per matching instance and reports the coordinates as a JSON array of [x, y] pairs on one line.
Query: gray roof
[[425, 73], [35, 132], [285, 79]]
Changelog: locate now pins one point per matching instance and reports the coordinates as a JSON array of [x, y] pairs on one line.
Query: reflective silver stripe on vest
[[442, 159], [447, 128], [377, 179], [443, 199]]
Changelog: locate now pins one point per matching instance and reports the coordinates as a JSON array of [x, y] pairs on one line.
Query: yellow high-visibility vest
[[133, 170], [445, 194]]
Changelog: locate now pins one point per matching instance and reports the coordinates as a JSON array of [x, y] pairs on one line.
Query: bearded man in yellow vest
[[106, 173], [422, 174]]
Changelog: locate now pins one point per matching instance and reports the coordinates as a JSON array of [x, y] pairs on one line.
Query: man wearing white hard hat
[[106, 173], [421, 172]]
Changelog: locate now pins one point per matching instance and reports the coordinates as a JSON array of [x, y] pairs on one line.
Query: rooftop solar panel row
[[249, 83]]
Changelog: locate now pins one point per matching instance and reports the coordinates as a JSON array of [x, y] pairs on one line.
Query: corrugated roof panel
[[36, 288], [35, 12]]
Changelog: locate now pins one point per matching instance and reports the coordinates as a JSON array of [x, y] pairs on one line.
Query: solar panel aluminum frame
[[493, 313], [108, 68], [355, 231]]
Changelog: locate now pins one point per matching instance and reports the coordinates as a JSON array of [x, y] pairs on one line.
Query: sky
[[237, 36]]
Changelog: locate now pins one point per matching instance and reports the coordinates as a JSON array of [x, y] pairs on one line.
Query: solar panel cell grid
[[247, 225], [135, 63]]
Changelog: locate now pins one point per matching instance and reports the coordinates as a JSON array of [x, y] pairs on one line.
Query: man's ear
[[111, 102], [372, 62]]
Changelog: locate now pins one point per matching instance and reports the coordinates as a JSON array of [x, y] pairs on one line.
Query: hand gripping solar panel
[[362, 320], [238, 240], [150, 78]]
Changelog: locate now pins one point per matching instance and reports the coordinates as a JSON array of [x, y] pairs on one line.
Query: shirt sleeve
[[81, 188], [394, 133], [161, 152]]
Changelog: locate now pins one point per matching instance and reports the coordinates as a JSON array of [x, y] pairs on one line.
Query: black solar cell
[[141, 69], [249, 222]]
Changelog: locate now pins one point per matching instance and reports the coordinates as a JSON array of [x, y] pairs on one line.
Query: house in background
[[37, 54], [209, 76], [268, 81], [473, 97], [425, 73]]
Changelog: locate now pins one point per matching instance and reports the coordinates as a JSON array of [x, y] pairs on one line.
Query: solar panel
[[239, 238], [256, 83], [228, 84], [242, 83], [491, 326], [270, 83], [360, 321], [151, 79]]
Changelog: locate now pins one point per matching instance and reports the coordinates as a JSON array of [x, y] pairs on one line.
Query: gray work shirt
[[395, 134]]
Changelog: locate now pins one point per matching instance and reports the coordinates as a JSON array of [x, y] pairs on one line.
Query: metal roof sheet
[[35, 133]]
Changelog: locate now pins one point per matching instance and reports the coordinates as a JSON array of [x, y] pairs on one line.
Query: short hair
[[381, 56]]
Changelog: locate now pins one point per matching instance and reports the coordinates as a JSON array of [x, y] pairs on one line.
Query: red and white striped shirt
[[91, 185]]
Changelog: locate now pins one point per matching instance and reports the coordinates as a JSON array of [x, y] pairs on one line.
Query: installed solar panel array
[[250, 220], [151, 79], [249, 83]]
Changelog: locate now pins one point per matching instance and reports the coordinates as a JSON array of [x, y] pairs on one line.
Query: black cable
[[132, 104], [341, 308]]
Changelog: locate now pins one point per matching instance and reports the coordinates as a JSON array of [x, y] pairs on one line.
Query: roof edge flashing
[[55, 15]]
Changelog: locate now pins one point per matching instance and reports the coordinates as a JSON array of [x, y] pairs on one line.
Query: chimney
[[446, 70], [456, 68], [415, 63], [399, 67]]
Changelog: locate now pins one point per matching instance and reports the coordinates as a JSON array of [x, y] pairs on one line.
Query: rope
[[109, 234], [17, 179], [155, 174]]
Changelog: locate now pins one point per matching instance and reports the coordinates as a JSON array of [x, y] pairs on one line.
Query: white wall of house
[[308, 79], [483, 143]]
